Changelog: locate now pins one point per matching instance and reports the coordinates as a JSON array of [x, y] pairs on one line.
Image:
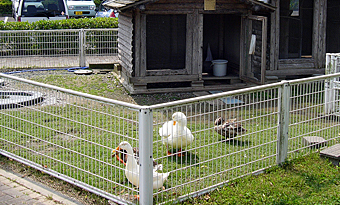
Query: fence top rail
[[332, 54], [179, 102], [217, 95], [316, 78], [243, 91], [94, 97], [58, 30]]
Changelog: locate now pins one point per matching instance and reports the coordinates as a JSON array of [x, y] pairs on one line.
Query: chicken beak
[[113, 153], [118, 158], [174, 123]]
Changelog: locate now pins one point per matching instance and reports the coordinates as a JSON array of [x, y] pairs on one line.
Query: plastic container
[[219, 67]]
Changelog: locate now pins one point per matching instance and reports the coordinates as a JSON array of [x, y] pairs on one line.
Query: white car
[[35, 10], [81, 8]]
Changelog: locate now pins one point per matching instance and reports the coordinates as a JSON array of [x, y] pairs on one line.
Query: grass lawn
[[306, 180]]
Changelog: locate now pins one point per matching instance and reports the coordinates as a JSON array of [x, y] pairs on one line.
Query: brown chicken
[[228, 128]]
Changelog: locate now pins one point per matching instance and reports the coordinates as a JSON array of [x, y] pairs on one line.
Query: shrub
[[5, 7], [62, 24]]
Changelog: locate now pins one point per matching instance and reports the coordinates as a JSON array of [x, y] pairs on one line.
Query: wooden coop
[[174, 46]]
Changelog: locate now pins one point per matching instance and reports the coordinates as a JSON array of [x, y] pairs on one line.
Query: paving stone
[[44, 200], [2, 193], [31, 201], [6, 197], [13, 193], [12, 184], [28, 192], [314, 141], [6, 181], [20, 188], [34, 195], [332, 153], [17, 200], [47, 202], [24, 197], [4, 187], [17, 190]]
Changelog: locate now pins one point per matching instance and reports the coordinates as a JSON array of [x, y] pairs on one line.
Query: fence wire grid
[[57, 48], [80, 137]]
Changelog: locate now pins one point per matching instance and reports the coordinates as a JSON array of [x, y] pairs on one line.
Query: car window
[[46, 8]]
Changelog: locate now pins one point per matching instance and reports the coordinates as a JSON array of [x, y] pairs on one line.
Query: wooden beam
[[295, 72], [189, 43], [166, 78], [274, 37]]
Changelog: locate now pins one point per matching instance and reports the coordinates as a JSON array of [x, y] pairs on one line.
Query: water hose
[[47, 69]]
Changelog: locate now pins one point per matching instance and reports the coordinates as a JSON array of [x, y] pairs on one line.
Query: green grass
[[99, 85], [210, 159], [306, 180]]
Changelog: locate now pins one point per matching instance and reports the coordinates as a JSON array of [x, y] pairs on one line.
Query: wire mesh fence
[[57, 48], [67, 134], [234, 136], [186, 148]]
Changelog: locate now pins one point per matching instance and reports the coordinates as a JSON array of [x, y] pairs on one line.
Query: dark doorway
[[222, 33]]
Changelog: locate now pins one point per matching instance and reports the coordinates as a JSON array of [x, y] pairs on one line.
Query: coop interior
[[221, 35]]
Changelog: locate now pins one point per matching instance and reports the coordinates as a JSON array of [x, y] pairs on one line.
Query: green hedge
[[62, 24], [5, 7]]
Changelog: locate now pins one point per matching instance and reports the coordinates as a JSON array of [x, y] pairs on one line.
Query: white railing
[[71, 135], [57, 48]]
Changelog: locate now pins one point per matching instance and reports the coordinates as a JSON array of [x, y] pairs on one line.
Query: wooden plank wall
[[125, 39]]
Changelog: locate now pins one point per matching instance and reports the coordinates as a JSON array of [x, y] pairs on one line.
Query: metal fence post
[[331, 68], [283, 124], [145, 157], [82, 59]]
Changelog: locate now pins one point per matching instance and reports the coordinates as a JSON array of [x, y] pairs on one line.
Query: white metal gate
[[332, 86]]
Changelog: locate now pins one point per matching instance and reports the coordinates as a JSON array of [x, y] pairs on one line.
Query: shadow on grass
[[187, 158], [236, 142]]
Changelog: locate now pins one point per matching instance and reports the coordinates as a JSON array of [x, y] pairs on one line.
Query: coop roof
[[126, 4]]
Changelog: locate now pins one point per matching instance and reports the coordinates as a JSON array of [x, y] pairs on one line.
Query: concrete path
[[9, 19], [17, 190]]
